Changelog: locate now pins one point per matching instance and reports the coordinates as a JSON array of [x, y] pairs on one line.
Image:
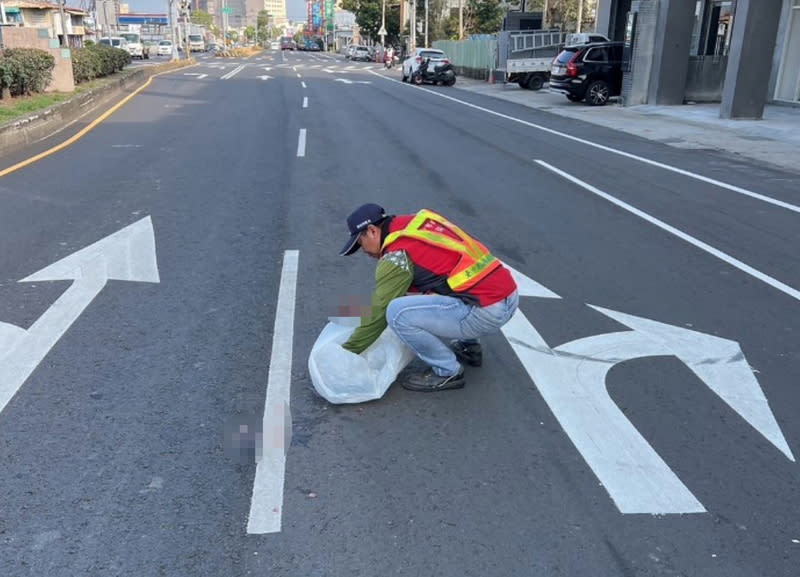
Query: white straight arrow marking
[[128, 254], [266, 505]]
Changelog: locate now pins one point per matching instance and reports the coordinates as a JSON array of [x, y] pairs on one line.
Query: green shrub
[[84, 65], [97, 60], [24, 71]]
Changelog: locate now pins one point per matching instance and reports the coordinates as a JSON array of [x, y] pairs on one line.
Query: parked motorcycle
[[443, 74]]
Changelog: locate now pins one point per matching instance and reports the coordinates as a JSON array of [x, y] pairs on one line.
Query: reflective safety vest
[[475, 262]]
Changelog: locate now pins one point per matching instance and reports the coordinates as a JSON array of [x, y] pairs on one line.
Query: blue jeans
[[422, 321]]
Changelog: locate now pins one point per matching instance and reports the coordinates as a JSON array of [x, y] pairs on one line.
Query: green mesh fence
[[480, 54]]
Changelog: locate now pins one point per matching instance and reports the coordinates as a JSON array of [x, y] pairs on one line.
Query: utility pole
[[171, 29], [64, 41], [106, 27], [461, 19], [580, 16], [426, 23], [383, 24], [225, 24], [412, 40]]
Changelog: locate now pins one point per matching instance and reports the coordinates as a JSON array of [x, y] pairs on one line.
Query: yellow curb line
[[91, 125]]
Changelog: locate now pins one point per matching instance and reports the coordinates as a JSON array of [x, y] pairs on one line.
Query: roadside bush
[[96, 60], [84, 65], [25, 70]]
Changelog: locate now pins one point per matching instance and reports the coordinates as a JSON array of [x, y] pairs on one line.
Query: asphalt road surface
[[637, 418]]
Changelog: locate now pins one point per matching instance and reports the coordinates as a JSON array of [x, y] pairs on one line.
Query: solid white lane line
[[301, 143], [266, 505], [233, 72], [305, 101], [700, 177], [784, 288]]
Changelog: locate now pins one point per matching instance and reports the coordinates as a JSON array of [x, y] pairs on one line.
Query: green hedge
[[97, 60], [25, 70]]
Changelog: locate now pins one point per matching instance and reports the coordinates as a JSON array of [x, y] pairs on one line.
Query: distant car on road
[[591, 72], [288, 43], [361, 53], [165, 48]]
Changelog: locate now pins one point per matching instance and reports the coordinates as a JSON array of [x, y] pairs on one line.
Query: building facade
[[46, 16], [741, 53]]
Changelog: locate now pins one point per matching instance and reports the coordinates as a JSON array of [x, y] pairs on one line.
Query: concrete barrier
[[22, 132]]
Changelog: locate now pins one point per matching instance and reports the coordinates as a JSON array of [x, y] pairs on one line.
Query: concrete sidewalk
[[774, 140]]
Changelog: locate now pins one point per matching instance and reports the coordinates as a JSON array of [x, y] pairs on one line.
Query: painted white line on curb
[[266, 505], [700, 177], [301, 143], [784, 288]]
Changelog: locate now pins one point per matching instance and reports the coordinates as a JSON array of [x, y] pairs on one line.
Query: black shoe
[[429, 381], [469, 353]]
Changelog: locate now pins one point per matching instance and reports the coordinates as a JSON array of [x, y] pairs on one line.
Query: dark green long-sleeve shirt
[[393, 277]]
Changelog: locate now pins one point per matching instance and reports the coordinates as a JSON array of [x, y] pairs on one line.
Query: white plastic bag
[[344, 377]]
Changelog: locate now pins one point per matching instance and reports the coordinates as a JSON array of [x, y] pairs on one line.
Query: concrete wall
[[705, 78], [62, 79]]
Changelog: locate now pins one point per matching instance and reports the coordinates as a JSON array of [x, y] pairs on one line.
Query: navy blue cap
[[358, 221]]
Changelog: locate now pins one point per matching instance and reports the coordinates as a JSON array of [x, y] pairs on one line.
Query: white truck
[[196, 43], [529, 54], [135, 46]]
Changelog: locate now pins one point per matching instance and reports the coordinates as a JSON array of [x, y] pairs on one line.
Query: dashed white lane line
[[266, 505], [305, 101], [303, 84], [301, 143], [784, 288]]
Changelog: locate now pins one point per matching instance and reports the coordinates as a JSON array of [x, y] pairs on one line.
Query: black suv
[[588, 71]]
